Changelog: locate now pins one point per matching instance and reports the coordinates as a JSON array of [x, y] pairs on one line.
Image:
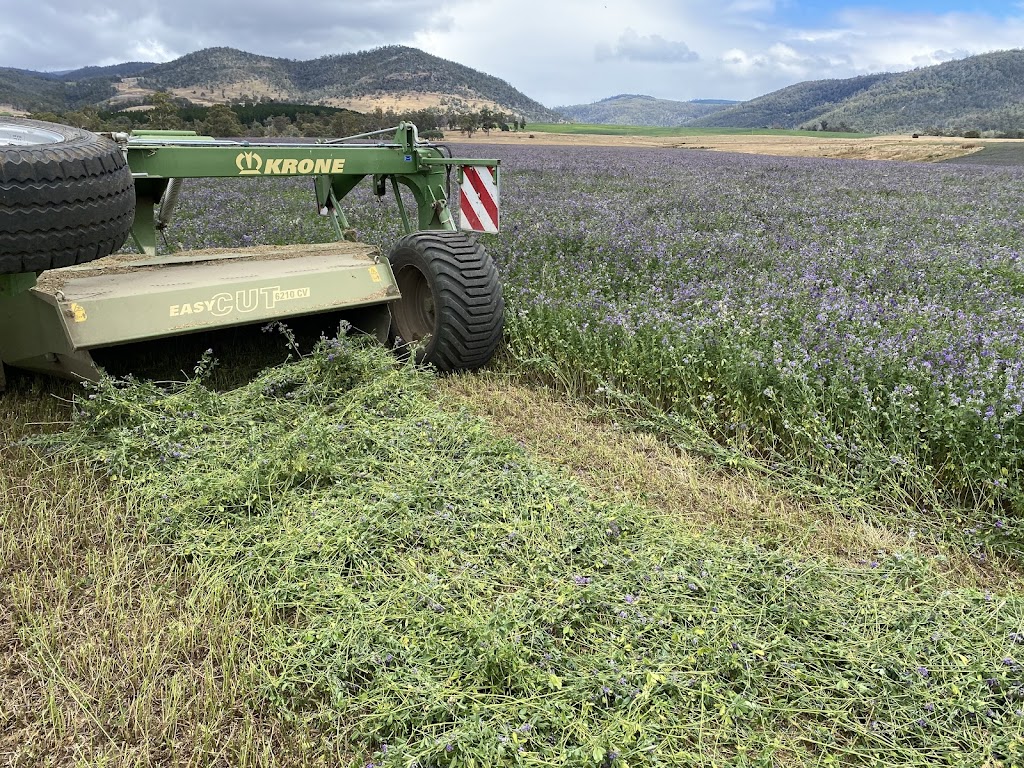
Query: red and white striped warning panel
[[478, 199]]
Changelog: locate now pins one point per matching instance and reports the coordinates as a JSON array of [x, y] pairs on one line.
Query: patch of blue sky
[[818, 12]]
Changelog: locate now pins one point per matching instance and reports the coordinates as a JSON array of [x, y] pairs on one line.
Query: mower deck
[[127, 298]]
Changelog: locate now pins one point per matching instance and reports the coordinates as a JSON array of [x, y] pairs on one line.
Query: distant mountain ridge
[[127, 69], [338, 79], [51, 91], [634, 109], [392, 75], [982, 93], [977, 93]]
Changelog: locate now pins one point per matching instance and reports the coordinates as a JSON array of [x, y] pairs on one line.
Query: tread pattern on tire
[[62, 203], [468, 302]]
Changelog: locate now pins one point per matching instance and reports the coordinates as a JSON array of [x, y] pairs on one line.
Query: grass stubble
[[323, 567], [111, 652]]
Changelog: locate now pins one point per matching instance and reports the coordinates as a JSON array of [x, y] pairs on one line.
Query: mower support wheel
[[66, 196], [452, 311]]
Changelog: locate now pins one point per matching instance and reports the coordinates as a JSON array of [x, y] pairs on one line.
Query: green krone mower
[[70, 199]]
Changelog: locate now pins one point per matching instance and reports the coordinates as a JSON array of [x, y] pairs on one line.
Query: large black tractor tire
[[66, 196], [452, 311]]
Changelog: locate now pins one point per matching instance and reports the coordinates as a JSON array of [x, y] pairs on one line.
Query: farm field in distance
[[599, 129], [848, 146], [785, 395]]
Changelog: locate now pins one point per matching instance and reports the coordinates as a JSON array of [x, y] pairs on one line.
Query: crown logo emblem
[[249, 163]]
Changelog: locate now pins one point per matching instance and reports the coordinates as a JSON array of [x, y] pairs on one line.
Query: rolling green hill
[[983, 93], [791, 107], [42, 91], [387, 71], [978, 93], [631, 109], [127, 69], [225, 74]]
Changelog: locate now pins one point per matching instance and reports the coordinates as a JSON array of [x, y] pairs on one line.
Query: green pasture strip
[[429, 595], [600, 129]]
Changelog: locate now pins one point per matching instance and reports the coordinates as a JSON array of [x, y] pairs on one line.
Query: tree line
[[272, 119]]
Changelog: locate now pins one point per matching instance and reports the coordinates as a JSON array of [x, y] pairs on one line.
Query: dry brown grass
[[707, 500], [128, 89], [410, 102], [924, 149], [111, 654]]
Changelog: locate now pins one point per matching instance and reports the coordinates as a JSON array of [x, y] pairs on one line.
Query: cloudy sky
[[558, 52]]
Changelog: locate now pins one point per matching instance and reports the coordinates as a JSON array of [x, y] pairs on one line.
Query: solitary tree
[[468, 123]]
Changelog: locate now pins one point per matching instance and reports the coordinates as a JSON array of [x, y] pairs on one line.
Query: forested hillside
[[127, 69], [791, 107], [382, 71], [983, 93], [630, 109], [35, 91], [978, 93], [227, 75]]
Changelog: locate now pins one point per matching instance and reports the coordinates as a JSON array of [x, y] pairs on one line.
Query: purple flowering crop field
[[861, 319], [855, 323]]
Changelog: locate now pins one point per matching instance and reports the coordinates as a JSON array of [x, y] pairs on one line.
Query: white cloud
[[882, 41], [779, 62], [651, 48]]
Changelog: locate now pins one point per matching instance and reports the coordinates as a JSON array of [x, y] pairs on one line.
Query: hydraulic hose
[[168, 201]]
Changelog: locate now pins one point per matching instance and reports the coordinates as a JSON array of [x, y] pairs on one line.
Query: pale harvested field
[[924, 149]]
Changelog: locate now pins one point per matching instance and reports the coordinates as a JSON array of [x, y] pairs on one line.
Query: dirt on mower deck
[[54, 280]]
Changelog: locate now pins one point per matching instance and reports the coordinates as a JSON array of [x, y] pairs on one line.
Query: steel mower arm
[[158, 157]]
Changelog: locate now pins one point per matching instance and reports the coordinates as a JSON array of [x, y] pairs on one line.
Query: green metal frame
[[156, 157], [54, 331]]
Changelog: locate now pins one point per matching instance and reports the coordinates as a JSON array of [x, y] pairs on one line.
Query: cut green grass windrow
[[421, 592]]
